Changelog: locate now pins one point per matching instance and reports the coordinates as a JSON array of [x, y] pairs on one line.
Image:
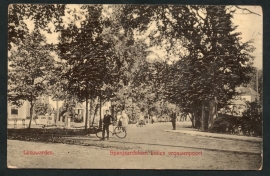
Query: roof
[[246, 91]]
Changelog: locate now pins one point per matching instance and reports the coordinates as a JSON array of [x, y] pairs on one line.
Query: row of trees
[[104, 57]]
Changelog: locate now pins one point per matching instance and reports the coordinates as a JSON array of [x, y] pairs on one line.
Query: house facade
[[247, 94], [237, 105], [23, 112]]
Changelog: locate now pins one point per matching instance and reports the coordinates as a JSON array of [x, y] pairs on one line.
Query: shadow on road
[[176, 146]]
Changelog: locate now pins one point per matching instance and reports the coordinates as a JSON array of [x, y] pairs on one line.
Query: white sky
[[250, 25]]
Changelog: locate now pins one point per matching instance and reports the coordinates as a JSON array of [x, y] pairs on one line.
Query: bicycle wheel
[[99, 133], [120, 132]]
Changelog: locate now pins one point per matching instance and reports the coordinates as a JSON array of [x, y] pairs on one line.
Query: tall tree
[[84, 50], [30, 64], [216, 64]]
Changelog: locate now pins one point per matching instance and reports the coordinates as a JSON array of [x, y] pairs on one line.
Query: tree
[[84, 50], [130, 66], [57, 86], [216, 64], [29, 68]]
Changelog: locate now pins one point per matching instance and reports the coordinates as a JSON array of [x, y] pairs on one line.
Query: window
[[14, 111]]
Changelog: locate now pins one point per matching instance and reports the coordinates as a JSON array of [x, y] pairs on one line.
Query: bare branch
[[245, 9]]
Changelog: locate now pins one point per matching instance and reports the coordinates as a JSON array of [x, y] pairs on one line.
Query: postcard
[[122, 86]]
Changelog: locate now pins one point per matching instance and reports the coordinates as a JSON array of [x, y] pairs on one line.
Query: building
[[15, 112], [23, 112], [247, 94], [237, 105]]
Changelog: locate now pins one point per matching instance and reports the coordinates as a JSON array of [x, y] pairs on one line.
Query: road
[[88, 152]]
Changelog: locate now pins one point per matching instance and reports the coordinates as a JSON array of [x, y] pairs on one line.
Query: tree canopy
[[204, 61]]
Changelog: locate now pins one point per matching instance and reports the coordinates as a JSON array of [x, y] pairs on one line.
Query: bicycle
[[119, 131]]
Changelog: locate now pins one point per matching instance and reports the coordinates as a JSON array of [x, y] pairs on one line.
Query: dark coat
[[107, 119]]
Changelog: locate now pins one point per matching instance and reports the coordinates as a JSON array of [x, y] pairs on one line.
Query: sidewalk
[[195, 132]]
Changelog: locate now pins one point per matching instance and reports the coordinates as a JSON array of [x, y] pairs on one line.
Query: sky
[[250, 25]]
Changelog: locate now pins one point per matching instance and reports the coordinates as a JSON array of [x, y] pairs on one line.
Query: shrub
[[77, 120], [226, 124], [249, 124]]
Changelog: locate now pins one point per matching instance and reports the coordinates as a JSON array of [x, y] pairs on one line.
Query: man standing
[[173, 119], [106, 123]]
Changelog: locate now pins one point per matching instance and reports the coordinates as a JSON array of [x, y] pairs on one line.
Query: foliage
[[249, 124], [87, 56], [225, 123], [129, 67], [84, 50], [42, 108], [41, 15], [106, 55]]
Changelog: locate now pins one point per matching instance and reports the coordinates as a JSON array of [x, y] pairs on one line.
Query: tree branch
[[245, 9]]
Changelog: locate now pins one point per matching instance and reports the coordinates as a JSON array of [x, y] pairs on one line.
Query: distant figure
[[35, 117], [153, 119], [173, 119], [124, 119], [80, 117], [141, 118], [54, 118], [53, 114], [119, 119], [145, 118]]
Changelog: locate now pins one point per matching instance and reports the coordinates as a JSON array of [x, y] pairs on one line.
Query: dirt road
[[148, 147]]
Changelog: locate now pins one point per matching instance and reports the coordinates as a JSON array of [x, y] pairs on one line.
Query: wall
[[23, 111]]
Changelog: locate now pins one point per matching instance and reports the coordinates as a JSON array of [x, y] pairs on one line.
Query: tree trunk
[[193, 118], [113, 114], [95, 114], [86, 114], [100, 122], [212, 113], [203, 118], [90, 110], [197, 120], [31, 113], [57, 113]]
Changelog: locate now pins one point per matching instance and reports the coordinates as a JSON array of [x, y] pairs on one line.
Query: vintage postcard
[[106, 86]]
